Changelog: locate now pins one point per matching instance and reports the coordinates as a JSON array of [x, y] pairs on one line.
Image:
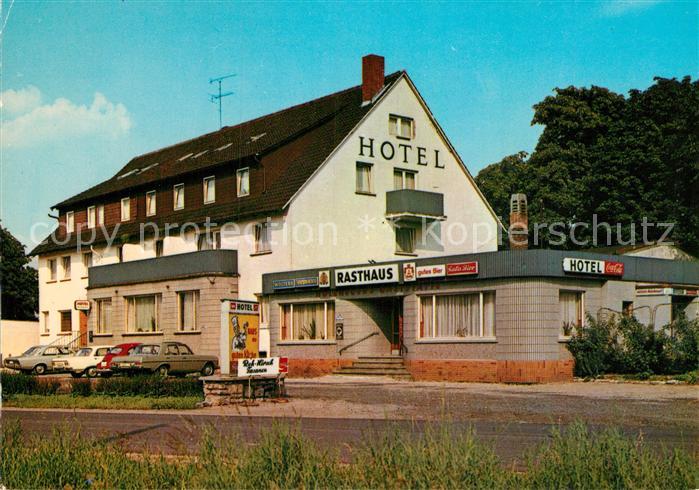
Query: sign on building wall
[[240, 331], [409, 271], [462, 269], [299, 282], [372, 274], [597, 267], [263, 366], [427, 271], [82, 305]]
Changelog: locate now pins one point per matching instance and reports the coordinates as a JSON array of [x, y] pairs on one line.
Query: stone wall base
[[463, 370], [229, 390], [491, 371]]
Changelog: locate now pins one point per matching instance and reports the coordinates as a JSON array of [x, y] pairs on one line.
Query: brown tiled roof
[[294, 141]]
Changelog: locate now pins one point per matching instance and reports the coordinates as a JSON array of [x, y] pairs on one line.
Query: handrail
[[356, 342]]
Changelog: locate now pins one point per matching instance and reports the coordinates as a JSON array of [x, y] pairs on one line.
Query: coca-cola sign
[[462, 269], [597, 267]]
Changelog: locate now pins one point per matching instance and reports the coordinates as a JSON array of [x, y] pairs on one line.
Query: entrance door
[[396, 326], [83, 329]]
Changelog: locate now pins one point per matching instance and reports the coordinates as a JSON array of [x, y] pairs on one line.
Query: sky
[[86, 86]]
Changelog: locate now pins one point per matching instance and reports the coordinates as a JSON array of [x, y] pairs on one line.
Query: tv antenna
[[217, 98]]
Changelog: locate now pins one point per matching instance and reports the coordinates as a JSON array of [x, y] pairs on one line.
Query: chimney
[[519, 222], [372, 76]]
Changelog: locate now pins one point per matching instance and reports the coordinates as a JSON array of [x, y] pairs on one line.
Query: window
[[70, 222], [209, 241], [405, 240], [125, 209], [120, 253], [45, 326], [364, 183], [66, 321], [243, 182], [87, 262], [150, 203], [404, 179], [103, 309], [187, 304], [142, 313], [65, 263], [185, 350], [400, 126], [51, 264], [91, 216], [571, 305], [159, 247], [209, 190], [172, 350], [100, 214], [308, 321], [178, 196], [458, 315], [263, 238]]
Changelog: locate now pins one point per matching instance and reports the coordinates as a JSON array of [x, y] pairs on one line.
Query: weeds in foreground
[[104, 402], [441, 457]]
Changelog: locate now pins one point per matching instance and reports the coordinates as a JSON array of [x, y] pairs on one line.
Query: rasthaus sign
[[372, 274]]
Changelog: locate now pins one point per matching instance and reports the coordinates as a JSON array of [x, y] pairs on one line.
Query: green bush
[[623, 345], [80, 387], [20, 383], [149, 386]]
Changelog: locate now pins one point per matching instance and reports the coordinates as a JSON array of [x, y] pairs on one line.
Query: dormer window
[[209, 190], [178, 197], [100, 214], [70, 222], [401, 127], [243, 182], [91, 215], [150, 203]]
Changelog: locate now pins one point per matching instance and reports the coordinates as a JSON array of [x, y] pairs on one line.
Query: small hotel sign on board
[[462, 269], [373, 274], [597, 267]]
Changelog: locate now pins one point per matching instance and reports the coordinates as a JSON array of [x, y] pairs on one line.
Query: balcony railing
[[203, 263], [411, 203]]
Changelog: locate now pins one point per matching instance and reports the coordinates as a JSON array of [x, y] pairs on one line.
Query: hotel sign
[[596, 267], [372, 274]]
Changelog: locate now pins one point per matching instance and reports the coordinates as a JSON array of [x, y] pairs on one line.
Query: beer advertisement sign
[[240, 332]]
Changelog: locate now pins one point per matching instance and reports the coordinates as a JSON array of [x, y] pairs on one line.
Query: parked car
[[104, 368], [82, 362], [163, 359], [37, 359]]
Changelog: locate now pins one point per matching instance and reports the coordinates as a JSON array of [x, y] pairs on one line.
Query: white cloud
[[16, 102], [61, 120], [616, 8]]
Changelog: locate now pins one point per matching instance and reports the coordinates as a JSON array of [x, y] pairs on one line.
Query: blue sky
[[87, 86]]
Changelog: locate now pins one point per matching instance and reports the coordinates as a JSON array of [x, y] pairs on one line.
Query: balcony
[[193, 264], [411, 204]]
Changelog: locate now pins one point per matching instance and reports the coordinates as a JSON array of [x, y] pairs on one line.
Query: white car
[[82, 362]]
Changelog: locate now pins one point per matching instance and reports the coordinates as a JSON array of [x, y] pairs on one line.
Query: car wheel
[[163, 371], [91, 372], [207, 370], [76, 374], [39, 369]]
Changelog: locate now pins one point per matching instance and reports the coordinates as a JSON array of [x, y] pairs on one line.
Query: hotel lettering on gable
[[328, 225]]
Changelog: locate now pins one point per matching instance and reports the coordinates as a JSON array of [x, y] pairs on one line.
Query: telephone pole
[[217, 97]]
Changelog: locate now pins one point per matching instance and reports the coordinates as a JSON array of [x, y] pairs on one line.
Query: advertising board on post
[[263, 366], [240, 332]]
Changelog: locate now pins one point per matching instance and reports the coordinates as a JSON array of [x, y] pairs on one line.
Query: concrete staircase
[[392, 366]]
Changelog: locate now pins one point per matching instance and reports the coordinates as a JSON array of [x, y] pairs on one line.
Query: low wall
[[460, 370], [17, 336]]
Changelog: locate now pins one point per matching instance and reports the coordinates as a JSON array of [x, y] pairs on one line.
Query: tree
[[617, 159], [19, 281]]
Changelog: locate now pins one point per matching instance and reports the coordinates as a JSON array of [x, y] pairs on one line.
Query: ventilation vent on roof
[[200, 154], [130, 172], [185, 157], [224, 147], [256, 137]]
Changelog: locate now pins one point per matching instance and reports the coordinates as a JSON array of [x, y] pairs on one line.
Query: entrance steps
[[392, 366]]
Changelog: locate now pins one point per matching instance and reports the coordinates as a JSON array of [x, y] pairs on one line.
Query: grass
[[283, 458], [103, 402]]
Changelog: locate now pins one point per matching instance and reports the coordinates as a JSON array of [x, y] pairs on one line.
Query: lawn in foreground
[[103, 402], [283, 458]]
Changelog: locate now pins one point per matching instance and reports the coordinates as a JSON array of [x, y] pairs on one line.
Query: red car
[[104, 367]]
